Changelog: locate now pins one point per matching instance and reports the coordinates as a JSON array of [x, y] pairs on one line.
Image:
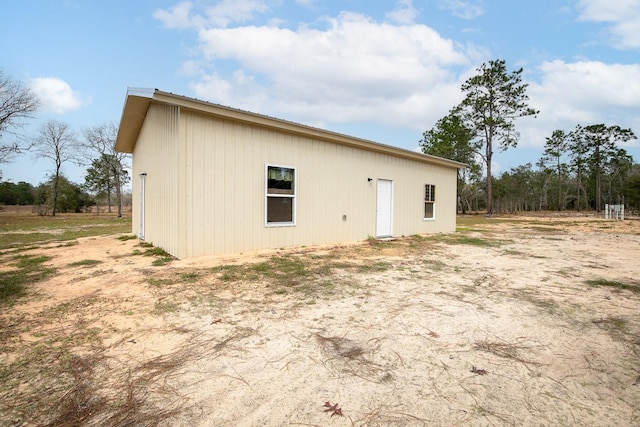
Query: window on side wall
[[280, 204], [429, 202]]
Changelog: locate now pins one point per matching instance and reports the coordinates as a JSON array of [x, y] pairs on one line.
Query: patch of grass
[[545, 229], [158, 283], [475, 241], [311, 275], [307, 287], [326, 256], [307, 274], [29, 269], [612, 324], [75, 305], [326, 285], [13, 240], [416, 240], [379, 243], [85, 263], [155, 251], [151, 250], [68, 244], [283, 269], [458, 239], [161, 261], [477, 221], [469, 230], [20, 250], [231, 273], [521, 254], [32, 222], [127, 237], [164, 307], [613, 284], [10, 240], [374, 267], [189, 277], [163, 257], [30, 262]]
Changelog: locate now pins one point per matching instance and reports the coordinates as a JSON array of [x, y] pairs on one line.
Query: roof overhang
[[135, 109], [138, 100]]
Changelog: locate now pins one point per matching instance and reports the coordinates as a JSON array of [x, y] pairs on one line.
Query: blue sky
[[381, 70]]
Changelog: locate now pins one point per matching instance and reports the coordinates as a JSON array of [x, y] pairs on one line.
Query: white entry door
[[384, 216], [143, 177]]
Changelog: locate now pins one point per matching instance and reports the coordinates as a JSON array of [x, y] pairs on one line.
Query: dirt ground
[[495, 325]]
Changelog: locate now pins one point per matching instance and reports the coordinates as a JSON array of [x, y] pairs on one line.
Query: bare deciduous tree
[[16, 104], [56, 141], [100, 143]]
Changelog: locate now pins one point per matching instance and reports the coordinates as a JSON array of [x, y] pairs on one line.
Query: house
[[211, 180]]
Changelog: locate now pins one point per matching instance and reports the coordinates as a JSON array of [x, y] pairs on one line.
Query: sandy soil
[[434, 331]]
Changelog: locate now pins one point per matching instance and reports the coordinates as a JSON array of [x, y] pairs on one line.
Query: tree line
[[579, 169], [55, 141], [71, 197]]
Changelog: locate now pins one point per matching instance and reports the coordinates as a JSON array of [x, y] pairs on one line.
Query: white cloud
[[232, 11], [305, 3], [404, 14], [56, 95], [177, 17], [585, 93], [622, 15], [213, 83], [353, 69], [465, 9], [593, 84], [221, 15], [191, 68]]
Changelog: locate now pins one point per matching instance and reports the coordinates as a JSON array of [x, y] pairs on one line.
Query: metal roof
[[138, 100]]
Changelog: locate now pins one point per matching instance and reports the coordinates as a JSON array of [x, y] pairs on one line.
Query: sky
[[381, 70]]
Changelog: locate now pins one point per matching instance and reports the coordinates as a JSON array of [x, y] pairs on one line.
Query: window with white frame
[[280, 204], [429, 201]]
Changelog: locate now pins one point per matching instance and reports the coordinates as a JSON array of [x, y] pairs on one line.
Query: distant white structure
[[614, 212]]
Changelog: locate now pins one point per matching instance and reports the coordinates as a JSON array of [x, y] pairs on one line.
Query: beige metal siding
[[222, 174], [157, 155]]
